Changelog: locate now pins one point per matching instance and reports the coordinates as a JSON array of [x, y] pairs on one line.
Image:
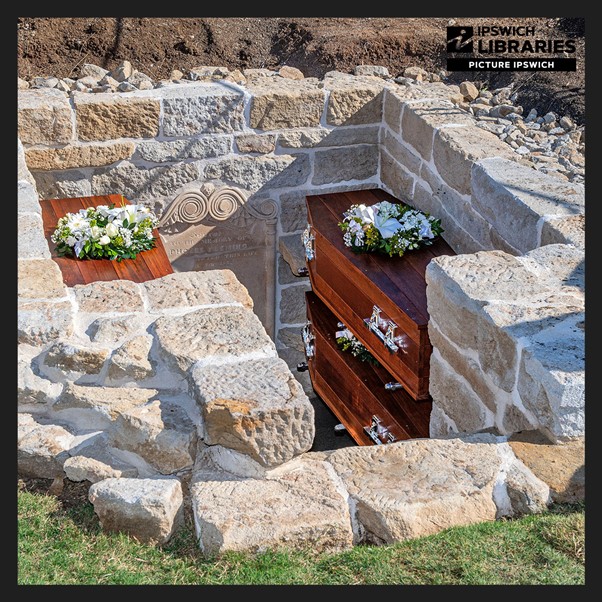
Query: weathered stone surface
[[420, 120], [255, 407], [149, 510], [109, 116], [283, 103], [514, 198], [293, 211], [290, 72], [376, 70], [131, 360], [97, 407], [27, 197], [293, 358], [559, 265], [220, 333], [40, 279], [112, 331], [455, 396], [32, 388], [143, 183], [456, 149], [44, 117], [89, 70], [302, 138], [40, 322], [256, 143], [255, 173], [469, 91], [292, 251], [95, 463], [180, 150], [42, 449], [399, 181], [561, 466], [292, 304], [31, 242], [285, 275], [69, 357], [354, 101], [291, 337], [187, 289], [160, 432], [81, 155], [111, 296], [419, 487], [202, 109], [568, 230], [358, 162], [303, 507], [393, 106], [401, 153], [526, 493], [24, 176], [63, 184]]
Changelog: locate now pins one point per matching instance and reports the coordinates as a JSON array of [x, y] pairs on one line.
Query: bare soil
[[59, 46]]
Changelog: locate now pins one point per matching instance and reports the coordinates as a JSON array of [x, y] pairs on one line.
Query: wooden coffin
[[381, 299], [355, 390]]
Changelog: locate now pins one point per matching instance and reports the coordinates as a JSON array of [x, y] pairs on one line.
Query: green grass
[[67, 547]]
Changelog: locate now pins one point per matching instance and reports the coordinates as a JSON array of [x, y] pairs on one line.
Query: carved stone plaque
[[218, 228]]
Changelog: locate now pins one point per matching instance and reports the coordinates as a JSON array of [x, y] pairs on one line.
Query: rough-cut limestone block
[[292, 304], [303, 137], [393, 175], [42, 449], [97, 407], [131, 360], [41, 322], [419, 487], [149, 510], [205, 108], [256, 143], [31, 242], [358, 162], [401, 153], [27, 197], [108, 116], [73, 358], [95, 462], [291, 338], [113, 330], [290, 72], [81, 155], [392, 108], [293, 211], [568, 230], [354, 100], [32, 388], [160, 432], [111, 296], [44, 117], [322, 137], [255, 407], [63, 184], [514, 198], [187, 289], [420, 119], [561, 466], [219, 333], [40, 279], [161, 151], [143, 183], [24, 176], [293, 252], [303, 507], [562, 265], [282, 103], [255, 173], [455, 151]]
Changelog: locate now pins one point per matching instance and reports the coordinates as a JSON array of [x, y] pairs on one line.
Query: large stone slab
[[303, 507], [149, 510], [63, 184], [255, 407], [354, 100], [568, 230], [357, 162], [31, 242], [112, 296], [24, 176], [396, 178], [27, 197], [515, 198], [160, 151], [292, 303], [131, 360], [419, 487], [108, 116], [283, 103], [44, 116], [40, 279], [39, 322], [33, 389], [74, 359], [216, 334], [78, 155]]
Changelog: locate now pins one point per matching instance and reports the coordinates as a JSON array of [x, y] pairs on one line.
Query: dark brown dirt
[[57, 46]]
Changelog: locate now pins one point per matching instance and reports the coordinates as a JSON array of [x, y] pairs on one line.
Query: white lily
[[387, 226]]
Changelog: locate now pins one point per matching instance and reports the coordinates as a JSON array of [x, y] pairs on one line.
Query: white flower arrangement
[[347, 342], [391, 228], [106, 232]]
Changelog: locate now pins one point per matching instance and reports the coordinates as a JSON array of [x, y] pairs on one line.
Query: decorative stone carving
[[218, 227]]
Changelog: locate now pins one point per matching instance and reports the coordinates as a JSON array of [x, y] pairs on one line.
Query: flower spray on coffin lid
[[391, 228], [106, 232]]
